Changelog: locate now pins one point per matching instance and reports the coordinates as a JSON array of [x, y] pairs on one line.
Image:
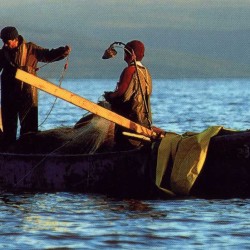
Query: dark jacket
[[12, 59], [20, 100]]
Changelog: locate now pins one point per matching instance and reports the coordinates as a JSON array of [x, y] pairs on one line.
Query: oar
[[82, 103]]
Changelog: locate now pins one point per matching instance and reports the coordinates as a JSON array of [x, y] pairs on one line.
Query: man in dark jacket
[[20, 100]]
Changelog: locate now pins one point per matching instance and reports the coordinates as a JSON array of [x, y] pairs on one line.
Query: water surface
[[82, 221]]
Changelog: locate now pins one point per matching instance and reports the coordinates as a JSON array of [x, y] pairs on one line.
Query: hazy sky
[[183, 28], [91, 14]]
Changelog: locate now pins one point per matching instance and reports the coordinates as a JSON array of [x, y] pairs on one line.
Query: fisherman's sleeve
[[49, 55], [124, 82], [1, 60]]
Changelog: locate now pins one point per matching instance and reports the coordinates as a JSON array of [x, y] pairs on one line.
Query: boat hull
[[132, 173], [226, 171], [116, 173]]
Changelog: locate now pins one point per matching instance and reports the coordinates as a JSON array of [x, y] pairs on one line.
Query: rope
[[60, 83], [143, 96], [45, 64]]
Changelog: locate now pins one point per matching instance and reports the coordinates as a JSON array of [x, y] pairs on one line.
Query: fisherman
[[20, 100], [131, 97]]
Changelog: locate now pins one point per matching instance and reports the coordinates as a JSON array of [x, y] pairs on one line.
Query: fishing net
[[90, 134]]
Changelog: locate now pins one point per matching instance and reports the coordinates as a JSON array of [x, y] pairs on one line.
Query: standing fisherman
[[20, 100]]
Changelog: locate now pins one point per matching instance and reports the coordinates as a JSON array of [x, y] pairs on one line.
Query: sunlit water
[[81, 221]]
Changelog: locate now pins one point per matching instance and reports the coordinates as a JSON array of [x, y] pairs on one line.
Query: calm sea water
[[81, 221]]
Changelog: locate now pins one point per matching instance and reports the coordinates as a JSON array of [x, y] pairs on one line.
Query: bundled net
[[91, 134]]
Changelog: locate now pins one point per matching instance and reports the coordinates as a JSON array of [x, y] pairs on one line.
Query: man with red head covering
[[19, 100], [131, 97]]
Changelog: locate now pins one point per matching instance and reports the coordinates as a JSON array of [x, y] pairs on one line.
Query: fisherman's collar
[[20, 40], [138, 63]]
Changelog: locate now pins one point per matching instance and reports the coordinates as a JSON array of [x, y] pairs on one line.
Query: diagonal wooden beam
[[83, 103]]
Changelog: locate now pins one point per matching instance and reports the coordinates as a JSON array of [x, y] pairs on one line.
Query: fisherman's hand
[[67, 50]]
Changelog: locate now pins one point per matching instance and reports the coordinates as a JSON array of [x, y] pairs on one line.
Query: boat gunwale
[[134, 150]]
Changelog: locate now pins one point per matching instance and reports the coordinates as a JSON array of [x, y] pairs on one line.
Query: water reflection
[[98, 221]]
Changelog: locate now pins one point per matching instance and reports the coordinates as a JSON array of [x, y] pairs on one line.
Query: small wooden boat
[[132, 173], [220, 168]]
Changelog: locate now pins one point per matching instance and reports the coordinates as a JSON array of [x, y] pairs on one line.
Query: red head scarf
[[137, 47]]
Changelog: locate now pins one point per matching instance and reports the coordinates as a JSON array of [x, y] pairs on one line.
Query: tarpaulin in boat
[[185, 154]]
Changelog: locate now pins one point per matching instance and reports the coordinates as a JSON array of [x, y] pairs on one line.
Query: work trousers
[[18, 101]]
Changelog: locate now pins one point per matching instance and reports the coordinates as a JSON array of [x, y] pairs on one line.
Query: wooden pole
[[82, 103]]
